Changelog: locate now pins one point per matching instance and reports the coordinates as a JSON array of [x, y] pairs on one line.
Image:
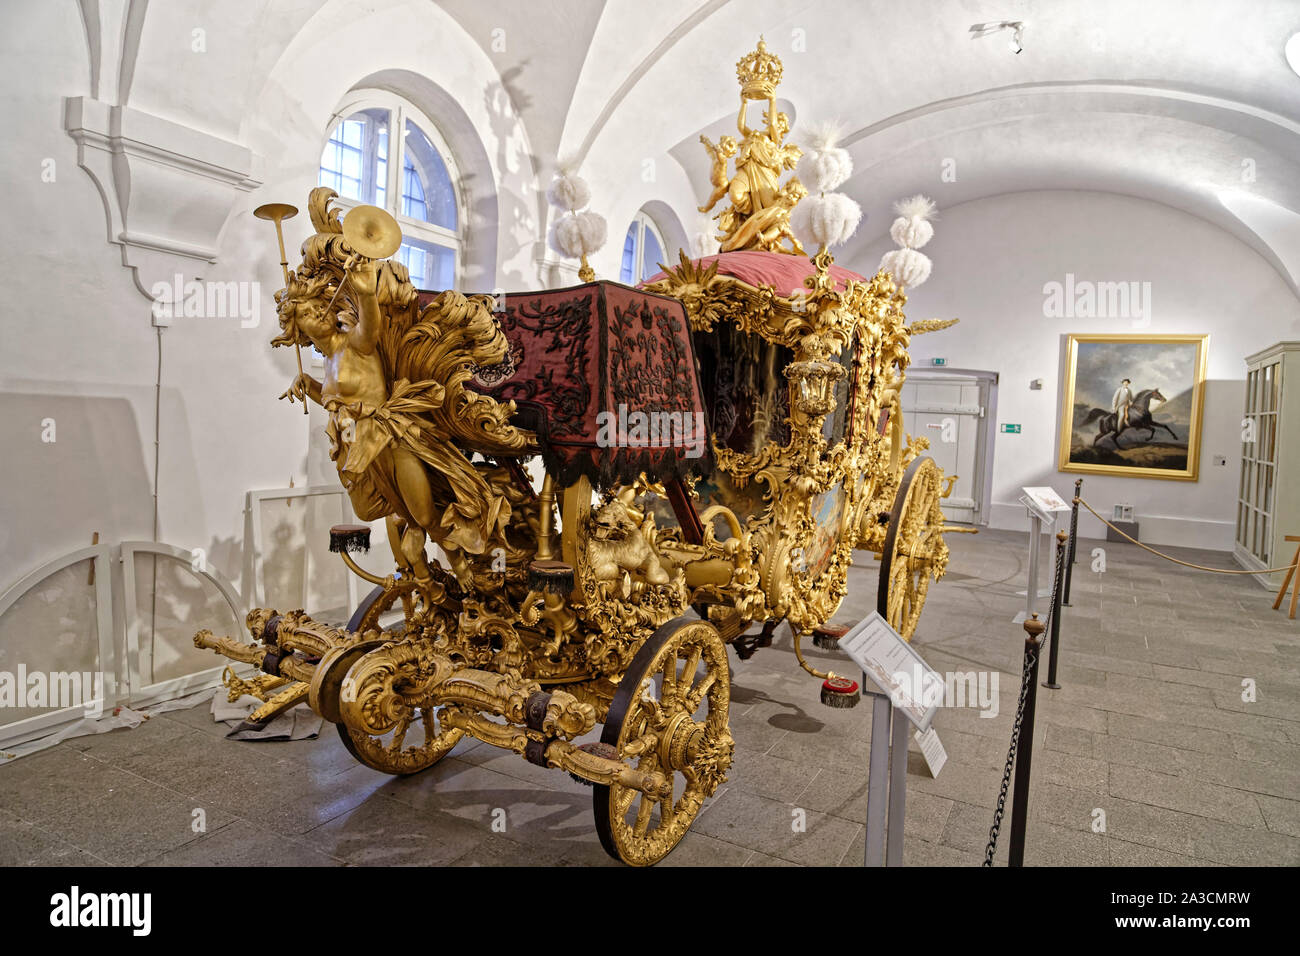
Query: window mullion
[[396, 157]]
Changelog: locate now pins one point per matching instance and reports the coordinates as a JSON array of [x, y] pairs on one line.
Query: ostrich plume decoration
[[828, 218], [911, 230], [575, 232]]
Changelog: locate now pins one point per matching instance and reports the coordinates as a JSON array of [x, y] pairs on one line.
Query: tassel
[[554, 577], [840, 692], [349, 537]]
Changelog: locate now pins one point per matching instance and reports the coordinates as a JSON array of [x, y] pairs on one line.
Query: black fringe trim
[[349, 537]]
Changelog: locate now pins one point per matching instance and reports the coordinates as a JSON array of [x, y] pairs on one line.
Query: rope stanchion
[[1186, 564], [1024, 708], [1074, 537], [1020, 802], [1016, 758], [1054, 613]]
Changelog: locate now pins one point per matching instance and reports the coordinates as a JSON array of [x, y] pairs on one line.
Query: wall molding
[[146, 168]]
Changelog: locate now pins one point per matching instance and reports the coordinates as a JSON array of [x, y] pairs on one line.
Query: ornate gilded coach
[[620, 482]]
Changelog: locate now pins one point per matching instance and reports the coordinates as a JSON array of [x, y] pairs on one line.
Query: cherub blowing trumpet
[[391, 417]]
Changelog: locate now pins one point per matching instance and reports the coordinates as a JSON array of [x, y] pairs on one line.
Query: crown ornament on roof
[[759, 73]]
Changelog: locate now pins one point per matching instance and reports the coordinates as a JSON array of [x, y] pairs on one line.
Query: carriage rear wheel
[[390, 753], [669, 715], [915, 552], [379, 602]]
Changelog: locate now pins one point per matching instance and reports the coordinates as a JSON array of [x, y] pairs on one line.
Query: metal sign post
[[1042, 505], [886, 782], [1031, 592], [904, 695]]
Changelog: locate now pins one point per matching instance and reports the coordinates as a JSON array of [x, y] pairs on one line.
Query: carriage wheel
[[914, 552], [669, 715], [389, 753], [379, 602]]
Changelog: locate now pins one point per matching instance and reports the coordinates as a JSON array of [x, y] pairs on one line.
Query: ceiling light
[[1293, 52], [1017, 28]]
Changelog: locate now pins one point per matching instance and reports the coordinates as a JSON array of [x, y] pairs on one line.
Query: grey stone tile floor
[[1149, 734]]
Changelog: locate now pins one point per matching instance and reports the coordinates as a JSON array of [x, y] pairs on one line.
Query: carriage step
[[596, 749]]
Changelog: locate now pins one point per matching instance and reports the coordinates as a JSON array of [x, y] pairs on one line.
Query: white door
[[951, 409]]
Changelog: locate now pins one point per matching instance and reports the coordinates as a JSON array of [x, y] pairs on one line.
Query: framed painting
[[1132, 405]]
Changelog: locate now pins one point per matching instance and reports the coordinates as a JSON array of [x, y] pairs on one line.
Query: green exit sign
[[935, 361], [1009, 429]]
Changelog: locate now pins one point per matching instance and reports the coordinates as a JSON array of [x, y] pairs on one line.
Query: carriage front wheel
[[914, 552], [669, 715]]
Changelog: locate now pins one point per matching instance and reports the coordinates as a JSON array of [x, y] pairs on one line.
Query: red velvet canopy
[[606, 375]]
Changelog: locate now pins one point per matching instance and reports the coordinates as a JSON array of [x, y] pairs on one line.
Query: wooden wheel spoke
[[697, 692], [643, 813], [688, 670]]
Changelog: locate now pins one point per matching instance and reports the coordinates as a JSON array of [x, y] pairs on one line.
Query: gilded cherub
[[393, 387], [725, 149]]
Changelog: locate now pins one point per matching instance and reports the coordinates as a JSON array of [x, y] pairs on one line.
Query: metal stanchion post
[[877, 777], [1054, 612], [1074, 534], [1025, 747]]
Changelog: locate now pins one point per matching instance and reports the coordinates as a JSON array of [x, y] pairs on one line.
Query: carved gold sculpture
[[608, 595]]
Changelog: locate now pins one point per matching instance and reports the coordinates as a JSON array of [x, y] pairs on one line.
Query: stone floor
[[1149, 727]]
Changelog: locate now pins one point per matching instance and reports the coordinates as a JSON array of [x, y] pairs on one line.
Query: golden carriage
[[713, 447]]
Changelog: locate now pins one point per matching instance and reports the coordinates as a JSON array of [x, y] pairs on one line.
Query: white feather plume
[[828, 219], [825, 166], [578, 234], [568, 191], [912, 228], [918, 206], [911, 233], [908, 267]]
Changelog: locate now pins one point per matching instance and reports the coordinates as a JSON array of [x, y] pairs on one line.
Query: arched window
[[643, 250], [421, 193]]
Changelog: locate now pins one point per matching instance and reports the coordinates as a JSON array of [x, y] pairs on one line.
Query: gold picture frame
[[1165, 398]]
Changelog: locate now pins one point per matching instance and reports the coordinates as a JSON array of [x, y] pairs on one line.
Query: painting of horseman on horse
[[1132, 405]]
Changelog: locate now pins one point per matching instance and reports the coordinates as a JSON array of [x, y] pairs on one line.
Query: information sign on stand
[[1042, 504], [906, 687], [895, 667]]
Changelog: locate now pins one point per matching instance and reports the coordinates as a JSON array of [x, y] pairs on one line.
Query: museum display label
[[896, 668]]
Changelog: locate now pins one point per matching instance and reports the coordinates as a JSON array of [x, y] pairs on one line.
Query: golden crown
[[759, 73]]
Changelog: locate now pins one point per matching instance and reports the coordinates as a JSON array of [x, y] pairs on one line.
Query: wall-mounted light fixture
[[1017, 28]]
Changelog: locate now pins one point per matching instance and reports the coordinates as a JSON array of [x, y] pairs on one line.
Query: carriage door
[[956, 410]]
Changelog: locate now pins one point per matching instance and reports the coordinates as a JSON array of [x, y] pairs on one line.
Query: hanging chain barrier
[[1186, 564], [1034, 629], [1074, 534]]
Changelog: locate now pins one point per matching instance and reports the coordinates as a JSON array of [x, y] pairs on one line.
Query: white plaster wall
[[78, 344], [992, 258]]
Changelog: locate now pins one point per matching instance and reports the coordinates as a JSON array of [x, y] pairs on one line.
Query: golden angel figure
[[393, 387]]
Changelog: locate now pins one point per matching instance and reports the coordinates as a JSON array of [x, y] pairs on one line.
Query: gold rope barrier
[[1186, 564]]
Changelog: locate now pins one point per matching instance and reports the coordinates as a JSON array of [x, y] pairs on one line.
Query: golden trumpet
[[277, 212]]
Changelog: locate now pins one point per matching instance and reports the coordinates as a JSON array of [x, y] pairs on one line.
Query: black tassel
[[828, 636], [349, 537], [555, 577]]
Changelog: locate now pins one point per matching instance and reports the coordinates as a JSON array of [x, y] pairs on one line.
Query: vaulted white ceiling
[[1186, 102]]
